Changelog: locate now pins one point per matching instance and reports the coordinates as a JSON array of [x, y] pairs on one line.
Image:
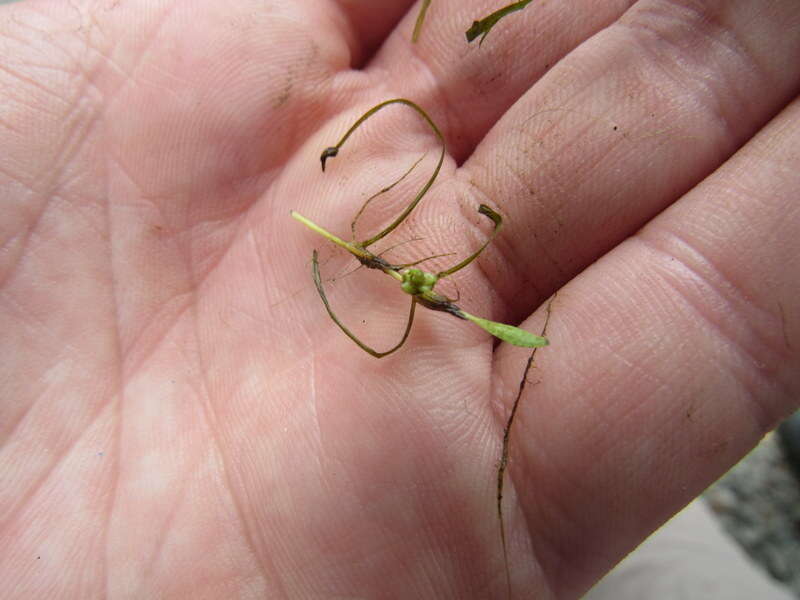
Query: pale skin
[[173, 427]]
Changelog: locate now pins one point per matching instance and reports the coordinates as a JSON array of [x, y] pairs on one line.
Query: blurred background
[[758, 503]]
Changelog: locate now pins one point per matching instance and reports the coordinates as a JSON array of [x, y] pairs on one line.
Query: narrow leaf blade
[[484, 26], [508, 333]]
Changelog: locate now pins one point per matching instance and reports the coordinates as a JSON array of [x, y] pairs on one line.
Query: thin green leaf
[[321, 290], [334, 150], [498, 224], [420, 19], [508, 333], [484, 26]]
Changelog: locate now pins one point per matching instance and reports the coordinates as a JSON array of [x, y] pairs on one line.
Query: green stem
[[420, 19], [355, 250]]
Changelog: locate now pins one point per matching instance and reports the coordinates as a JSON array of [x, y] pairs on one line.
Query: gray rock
[[758, 503]]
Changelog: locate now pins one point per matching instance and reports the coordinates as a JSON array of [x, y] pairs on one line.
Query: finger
[[369, 23], [473, 85], [621, 127], [670, 358]]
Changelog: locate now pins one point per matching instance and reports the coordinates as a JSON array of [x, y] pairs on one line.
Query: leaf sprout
[[415, 282]]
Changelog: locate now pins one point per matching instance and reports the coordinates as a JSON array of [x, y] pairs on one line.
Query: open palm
[[179, 416]]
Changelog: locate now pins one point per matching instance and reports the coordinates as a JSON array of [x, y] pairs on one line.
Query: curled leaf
[[328, 153], [494, 216], [482, 27], [498, 224]]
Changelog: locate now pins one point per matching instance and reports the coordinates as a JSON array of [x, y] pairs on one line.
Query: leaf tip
[[474, 31], [326, 154]]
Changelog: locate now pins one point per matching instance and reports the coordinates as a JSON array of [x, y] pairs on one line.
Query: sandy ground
[[758, 503]]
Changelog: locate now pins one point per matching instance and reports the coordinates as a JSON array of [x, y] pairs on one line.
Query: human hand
[[179, 420]]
